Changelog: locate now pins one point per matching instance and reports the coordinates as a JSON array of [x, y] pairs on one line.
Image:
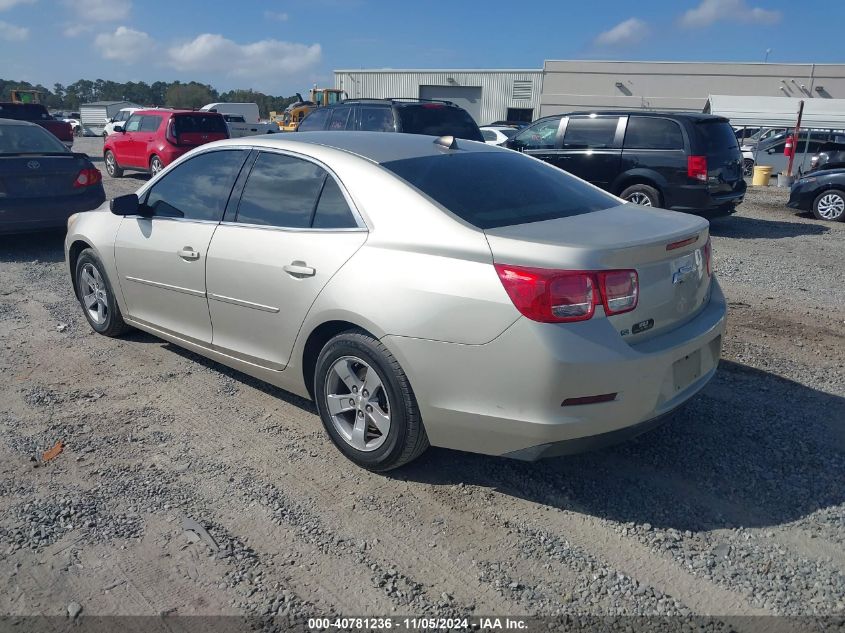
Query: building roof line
[[438, 70]]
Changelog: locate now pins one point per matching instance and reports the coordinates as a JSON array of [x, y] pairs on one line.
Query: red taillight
[[697, 168], [432, 106], [708, 256], [170, 135], [564, 296], [620, 290], [87, 177]]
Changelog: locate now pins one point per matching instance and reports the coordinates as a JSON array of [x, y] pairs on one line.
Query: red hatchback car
[[152, 139]]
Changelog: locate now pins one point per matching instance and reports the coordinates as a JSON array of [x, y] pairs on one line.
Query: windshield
[[438, 120], [26, 139], [495, 189]]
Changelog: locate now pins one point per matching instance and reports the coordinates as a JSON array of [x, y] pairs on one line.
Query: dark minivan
[[411, 116], [682, 161]]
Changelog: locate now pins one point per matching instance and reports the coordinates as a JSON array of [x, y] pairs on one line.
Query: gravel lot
[[734, 508]]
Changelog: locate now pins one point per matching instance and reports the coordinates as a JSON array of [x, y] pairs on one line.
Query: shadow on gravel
[[234, 374], [44, 246], [752, 450], [740, 227]]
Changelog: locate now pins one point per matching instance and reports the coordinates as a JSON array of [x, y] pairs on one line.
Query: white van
[[119, 119], [249, 111]]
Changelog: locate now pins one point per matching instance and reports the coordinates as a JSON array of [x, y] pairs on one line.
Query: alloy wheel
[[640, 198], [110, 164], [155, 165], [94, 292], [358, 403], [831, 206]]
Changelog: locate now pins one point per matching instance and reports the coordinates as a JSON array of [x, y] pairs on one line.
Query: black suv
[[683, 161], [412, 116]]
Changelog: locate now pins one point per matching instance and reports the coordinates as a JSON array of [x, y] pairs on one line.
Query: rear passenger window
[[653, 133], [149, 123], [316, 120], [590, 133], [332, 210], [199, 188], [281, 191], [377, 120]]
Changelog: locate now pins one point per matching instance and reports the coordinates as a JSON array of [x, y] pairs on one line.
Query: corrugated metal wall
[[497, 87]]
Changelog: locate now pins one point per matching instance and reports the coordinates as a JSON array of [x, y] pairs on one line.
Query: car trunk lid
[[666, 249], [40, 175]]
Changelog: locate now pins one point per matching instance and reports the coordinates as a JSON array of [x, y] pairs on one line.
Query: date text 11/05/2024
[[422, 623]]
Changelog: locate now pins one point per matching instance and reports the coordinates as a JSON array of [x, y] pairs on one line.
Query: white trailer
[[94, 116], [249, 111]]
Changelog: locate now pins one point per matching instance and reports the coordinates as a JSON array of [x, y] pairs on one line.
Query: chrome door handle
[[188, 253], [299, 270]]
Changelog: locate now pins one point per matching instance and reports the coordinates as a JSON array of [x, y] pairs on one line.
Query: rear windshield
[[716, 136], [25, 139], [495, 189], [438, 120], [206, 123], [24, 112]]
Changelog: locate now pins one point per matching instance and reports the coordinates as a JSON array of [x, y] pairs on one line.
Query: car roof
[[174, 111], [697, 116], [377, 147], [16, 122]]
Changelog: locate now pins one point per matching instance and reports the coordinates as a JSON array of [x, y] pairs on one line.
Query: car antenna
[[449, 142]]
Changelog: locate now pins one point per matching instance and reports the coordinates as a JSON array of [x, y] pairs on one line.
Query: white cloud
[[278, 16], [631, 31], [125, 44], [712, 11], [212, 52], [12, 33], [8, 4], [85, 14], [99, 10]]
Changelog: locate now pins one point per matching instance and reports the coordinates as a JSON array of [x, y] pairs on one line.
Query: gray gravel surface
[[735, 507]]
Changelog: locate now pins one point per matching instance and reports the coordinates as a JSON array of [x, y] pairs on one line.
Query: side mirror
[[118, 128], [126, 205]]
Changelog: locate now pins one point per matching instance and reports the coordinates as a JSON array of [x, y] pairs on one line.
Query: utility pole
[[766, 58]]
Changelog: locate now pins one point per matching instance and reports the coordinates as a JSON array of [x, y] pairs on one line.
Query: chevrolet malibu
[[423, 291]]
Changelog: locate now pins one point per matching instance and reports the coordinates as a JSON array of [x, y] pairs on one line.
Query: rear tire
[[644, 195], [112, 168], [830, 206], [96, 296], [155, 165], [390, 429]]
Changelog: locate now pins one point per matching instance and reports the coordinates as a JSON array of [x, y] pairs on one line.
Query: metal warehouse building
[[592, 85], [562, 86], [488, 95]]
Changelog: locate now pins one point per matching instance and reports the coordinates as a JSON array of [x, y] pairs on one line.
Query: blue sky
[[283, 47]]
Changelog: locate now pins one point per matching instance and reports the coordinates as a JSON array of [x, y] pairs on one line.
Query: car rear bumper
[[698, 198], [506, 397], [801, 197], [35, 214]]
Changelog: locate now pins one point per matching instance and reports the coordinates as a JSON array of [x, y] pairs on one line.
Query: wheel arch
[[76, 247], [639, 177], [317, 339]]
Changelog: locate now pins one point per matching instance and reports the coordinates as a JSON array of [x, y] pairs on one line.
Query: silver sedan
[[421, 290]]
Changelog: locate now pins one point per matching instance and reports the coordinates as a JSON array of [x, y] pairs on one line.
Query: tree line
[[176, 94]]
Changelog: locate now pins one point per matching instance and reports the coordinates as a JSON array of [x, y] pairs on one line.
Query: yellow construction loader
[[289, 120]]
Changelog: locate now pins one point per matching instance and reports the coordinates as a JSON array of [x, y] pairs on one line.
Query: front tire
[[643, 195], [366, 403], [830, 205], [96, 296], [748, 167]]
